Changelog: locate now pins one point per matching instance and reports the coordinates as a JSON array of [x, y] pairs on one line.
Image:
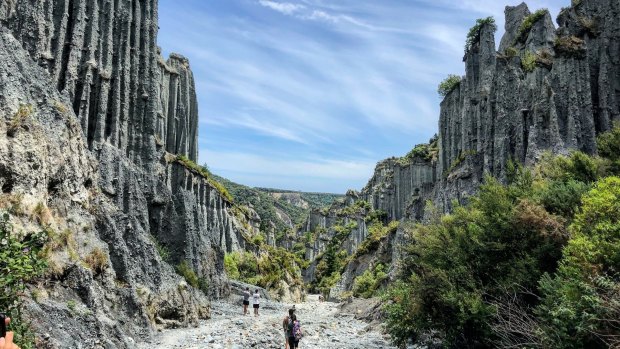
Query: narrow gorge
[[100, 142]]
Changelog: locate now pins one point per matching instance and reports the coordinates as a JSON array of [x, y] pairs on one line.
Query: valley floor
[[323, 325]]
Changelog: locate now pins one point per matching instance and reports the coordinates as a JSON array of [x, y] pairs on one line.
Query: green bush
[[528, 22], [21, 261], [332, 262], [608, 145], [500, 241], [231, 267], [267, 270], [203, 285], [528, 61], [532, 263], [563, 197], [367, 284], [359, 207], [425, 151], [473, 36], [188, 273], [576, 166], [510, 52], [376, 232], [448, 84], [581, 303]]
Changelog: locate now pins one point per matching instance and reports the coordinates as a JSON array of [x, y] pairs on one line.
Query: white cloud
[[267, 128], [286, 8], [256, 164]]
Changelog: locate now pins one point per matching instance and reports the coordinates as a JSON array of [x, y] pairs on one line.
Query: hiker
[[7, 342], [256, 298], [246, 300], [285, 322], [294, 329]]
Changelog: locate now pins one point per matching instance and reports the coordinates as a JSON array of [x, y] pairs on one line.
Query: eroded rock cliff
[[113, 119], [544, 89]]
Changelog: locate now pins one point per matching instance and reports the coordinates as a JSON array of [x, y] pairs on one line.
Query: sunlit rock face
[[502, 112], [126, 114]]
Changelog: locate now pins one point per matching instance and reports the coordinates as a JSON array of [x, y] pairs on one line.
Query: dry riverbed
[[323, 325]]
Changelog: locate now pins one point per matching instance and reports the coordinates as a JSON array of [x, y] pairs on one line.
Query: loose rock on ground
[[323, 324]]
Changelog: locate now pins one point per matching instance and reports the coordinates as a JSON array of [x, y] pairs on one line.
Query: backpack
[[297, 331]]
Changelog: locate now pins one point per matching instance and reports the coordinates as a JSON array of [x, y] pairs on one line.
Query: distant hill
[[283, 208]]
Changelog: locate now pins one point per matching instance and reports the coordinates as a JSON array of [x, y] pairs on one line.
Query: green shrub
[[21, 261], [258, 240], [448, 84], [608, 145], [473, 36], [367, 284], [563, 197], [376, 232], [576, 166], [376, 216], [332, 262], [581, 303], [203, 285], [359, 207], [188, 273], [163, 251], [401, 313], [425, 151], [230, 265], [511, 52], [528, 22], [528, 61], [501, 241]]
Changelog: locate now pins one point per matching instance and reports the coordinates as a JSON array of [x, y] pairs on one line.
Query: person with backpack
[[295, 333], [285, 322], [246, 300], [256, 298]]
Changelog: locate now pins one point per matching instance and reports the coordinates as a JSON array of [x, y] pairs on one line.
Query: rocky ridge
[[122, 122]]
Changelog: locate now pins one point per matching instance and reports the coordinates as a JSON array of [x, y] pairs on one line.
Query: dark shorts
[[246, 302], [255, 306], [292, 342]]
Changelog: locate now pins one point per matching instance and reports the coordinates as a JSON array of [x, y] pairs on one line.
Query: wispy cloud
[[311, 93], [286, 8], [317, 174]]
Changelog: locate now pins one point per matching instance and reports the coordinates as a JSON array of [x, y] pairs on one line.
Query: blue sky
[[310, 94]]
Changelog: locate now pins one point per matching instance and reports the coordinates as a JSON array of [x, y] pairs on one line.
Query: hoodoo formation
[[100, 142]]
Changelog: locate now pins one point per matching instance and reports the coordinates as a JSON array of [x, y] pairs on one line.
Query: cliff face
[[98, 62], [503, 111], [397, 186]]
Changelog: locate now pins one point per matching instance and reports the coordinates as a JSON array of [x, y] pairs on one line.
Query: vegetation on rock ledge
[[204, 172], [528, 22], [473, 36], [448, 84]]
